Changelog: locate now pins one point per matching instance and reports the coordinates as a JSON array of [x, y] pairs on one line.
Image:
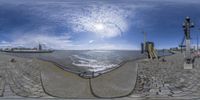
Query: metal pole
[[187, 25], [145, 37], [198, 42]]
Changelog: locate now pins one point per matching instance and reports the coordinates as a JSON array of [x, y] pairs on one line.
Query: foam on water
[[101, 51], [91, 64]]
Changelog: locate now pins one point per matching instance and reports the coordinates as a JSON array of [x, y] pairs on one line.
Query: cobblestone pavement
[[168, 79], [20, 79]]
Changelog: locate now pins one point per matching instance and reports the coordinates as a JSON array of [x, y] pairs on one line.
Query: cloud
[[62, 43], [111, 46], [47, 21], [178, 1], [4, 44], [112, 19], [91, 41], [54, 42]]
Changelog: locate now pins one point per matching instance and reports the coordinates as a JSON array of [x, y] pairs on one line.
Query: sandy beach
[[133, 80]]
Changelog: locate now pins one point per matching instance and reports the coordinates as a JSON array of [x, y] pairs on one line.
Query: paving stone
[[172, 72]]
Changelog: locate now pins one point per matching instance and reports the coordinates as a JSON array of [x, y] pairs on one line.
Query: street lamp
[[187, 25]]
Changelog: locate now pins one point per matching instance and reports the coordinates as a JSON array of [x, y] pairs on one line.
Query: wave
[[84, 59], [92, 65], [101, 51]]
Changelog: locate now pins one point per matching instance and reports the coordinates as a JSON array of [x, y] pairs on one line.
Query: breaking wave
[[92, 65]]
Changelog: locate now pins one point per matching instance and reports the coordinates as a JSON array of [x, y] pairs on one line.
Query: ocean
[[87, 62]]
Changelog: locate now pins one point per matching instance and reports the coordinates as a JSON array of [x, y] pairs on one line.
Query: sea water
[[87, 61]]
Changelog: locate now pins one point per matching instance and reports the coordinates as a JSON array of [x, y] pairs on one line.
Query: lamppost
[[145, 40], [186, 26], [198, 42]]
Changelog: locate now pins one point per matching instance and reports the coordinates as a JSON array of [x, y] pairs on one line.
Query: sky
[[96, 24]]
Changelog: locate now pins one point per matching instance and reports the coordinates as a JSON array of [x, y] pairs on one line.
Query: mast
[[198, 41], [187, 25]]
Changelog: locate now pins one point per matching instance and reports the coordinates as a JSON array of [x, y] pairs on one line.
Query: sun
[[99, 26], [106, 29]]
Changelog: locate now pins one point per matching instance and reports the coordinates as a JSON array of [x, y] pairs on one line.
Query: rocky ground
[[20, 78], [168, 78]]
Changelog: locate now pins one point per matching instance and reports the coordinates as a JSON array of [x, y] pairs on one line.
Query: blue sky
[[95, 24]]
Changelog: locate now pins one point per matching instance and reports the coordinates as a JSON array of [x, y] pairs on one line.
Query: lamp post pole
[[187, 25], [145, 40], [198, 42]]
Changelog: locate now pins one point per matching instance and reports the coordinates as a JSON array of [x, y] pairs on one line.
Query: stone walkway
[[24, 79], [168, 79], [117, 83], [20, 79]]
